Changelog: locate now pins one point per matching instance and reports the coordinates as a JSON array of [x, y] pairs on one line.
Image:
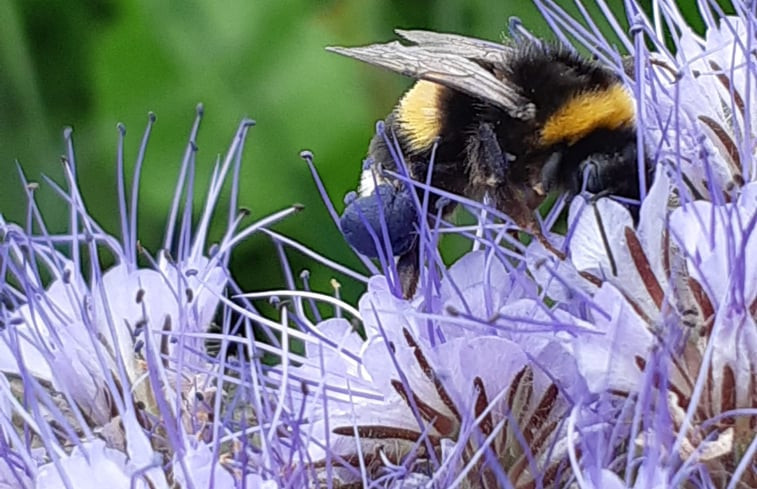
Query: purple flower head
[[619, 353], [674, 297], [643, 326], [454, 411], [439, 391], [675, 309], [104, 376]]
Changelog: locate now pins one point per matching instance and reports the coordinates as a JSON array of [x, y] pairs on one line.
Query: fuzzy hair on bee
[[513, 122]]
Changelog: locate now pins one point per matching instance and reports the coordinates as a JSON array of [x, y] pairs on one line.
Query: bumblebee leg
[[550, 173], [487, 163], [408, 269], [518, 202], [599, 195]]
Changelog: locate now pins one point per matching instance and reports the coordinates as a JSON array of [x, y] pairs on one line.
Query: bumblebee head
[[605, 164], [610, 172]]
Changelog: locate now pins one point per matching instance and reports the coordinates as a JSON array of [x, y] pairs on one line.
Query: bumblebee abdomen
[[429, 117], [430, 113], [420, 115]]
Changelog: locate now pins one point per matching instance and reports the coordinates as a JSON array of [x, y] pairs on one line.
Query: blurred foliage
[[90, 64]]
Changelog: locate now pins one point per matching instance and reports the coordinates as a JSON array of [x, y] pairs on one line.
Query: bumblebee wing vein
[[468, 47], [451, 70]]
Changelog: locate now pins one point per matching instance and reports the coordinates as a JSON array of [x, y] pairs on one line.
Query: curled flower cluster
[[621, 353]]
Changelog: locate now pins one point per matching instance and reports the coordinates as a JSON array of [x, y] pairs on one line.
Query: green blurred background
[[91, 64]]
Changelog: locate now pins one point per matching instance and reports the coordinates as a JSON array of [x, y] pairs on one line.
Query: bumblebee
[[511, 121]]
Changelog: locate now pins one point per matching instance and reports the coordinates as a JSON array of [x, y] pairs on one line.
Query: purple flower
[[675, 305], [675, 298], [621, 353], [104, 377], [640, 332], [90, 465], [443, 393]]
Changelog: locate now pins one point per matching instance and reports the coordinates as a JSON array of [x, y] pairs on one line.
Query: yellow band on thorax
[[610, 108]]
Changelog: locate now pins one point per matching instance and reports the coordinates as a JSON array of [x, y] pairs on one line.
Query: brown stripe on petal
[[518, 468], [731, 149], [544, 435], [541, 413], [482, 402], [547, 245], [705, 305], [549, 479], [514, 387], [722, 78], [339, 461], [636, 308], [644, 268], [619, 393], [521, 393], [378, 432], [520, 474], [593, 279], [488, 478], [368, 460], [441, 423], [109, 401], [696, 194], [683, 399], [709, 390], [728, 393], [429, 372], [641, 363]]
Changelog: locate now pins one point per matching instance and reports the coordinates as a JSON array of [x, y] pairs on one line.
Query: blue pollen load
[[364, 217]]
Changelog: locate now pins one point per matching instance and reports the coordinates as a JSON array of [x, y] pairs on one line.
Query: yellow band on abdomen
[[419, 114]]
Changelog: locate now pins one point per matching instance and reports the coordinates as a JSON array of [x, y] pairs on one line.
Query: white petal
[[199, 468], [598, 245], [92, 466], [608, 360]]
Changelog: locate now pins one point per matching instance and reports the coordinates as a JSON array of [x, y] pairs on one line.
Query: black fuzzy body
[[482, 149], [513, 122]]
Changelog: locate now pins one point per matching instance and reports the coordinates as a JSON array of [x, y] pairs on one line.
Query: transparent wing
[[468, 47], [450, 60]]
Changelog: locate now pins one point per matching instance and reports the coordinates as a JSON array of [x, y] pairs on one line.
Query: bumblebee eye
[[629, 152]]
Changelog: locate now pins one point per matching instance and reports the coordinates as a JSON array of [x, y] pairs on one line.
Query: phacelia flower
[[439, 393], [674, 297], [104, 376], [640, 327]]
